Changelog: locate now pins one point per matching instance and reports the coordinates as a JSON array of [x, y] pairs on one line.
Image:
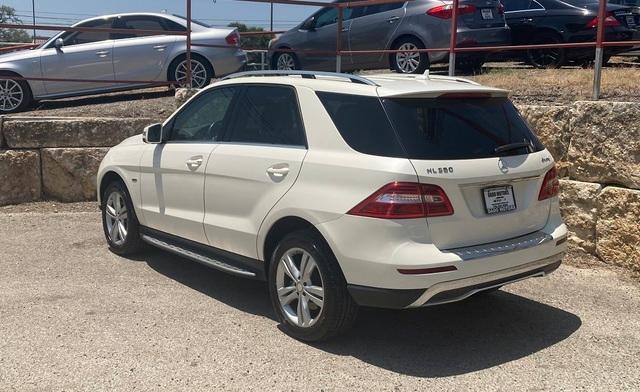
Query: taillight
[[405, 200], [500, 8], [609, 21], [446, 11], [233, 39], [550, 185]]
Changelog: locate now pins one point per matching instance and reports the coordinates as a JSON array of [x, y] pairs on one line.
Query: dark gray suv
[[410, 25]]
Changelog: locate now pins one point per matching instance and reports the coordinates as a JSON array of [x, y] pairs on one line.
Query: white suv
[[338, 190]]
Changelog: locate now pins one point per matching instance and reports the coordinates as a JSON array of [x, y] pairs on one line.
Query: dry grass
[[620, 82]]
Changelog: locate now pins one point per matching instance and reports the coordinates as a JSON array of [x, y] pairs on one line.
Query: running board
[[200, 258]]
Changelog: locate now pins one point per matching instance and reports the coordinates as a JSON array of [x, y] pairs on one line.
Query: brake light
[[446, 11], [500, 8], [405, 200], [609, 21], [233, 38], [550, 185]]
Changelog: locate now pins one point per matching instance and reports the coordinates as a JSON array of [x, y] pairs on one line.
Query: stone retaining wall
[[596, 146], [57, 158]]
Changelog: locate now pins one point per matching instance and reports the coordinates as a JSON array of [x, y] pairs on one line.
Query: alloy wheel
[[117, 218], [11, 95], [300, 287], [198, 74], [286, 62], [408, 62], [546, 58]]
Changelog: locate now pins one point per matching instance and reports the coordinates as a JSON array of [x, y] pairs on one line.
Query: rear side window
[[267, 115], [362, 123], [459, 128]]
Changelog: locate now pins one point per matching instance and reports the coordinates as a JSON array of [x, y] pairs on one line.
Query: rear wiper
[[513, 146]]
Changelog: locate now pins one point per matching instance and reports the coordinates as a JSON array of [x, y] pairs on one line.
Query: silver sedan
[[105, 58]]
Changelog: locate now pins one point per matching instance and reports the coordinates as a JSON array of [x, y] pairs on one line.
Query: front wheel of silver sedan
[[307, 288], [15, 95], [201, 72], [119, 221]]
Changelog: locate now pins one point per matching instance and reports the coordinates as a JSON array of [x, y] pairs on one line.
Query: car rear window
[[431, 128], [459, 128]]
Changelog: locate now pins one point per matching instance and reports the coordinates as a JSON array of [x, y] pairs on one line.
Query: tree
[[8, 15], [253, 42]]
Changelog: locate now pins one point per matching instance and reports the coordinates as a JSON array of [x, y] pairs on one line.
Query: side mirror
[[309, 24], [59, 43], [152, 134]]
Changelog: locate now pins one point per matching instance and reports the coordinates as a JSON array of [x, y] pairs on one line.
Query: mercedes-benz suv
[[394, 191]]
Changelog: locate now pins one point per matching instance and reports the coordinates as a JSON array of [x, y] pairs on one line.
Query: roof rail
[[303, 74]]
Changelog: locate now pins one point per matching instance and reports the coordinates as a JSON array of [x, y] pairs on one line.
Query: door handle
[[102, 53], [194, 162], [278, 172], [526, 20], [160, 48], [393, 19], [345, 29]]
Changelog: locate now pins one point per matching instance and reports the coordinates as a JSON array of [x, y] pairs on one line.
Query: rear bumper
[[453, 290]]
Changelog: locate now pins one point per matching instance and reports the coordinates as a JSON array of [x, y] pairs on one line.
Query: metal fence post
[[189, 83], [339, 41], [454, 38], [597, 68]]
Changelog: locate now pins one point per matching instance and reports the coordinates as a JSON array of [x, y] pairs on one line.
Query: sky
[[217, 13]]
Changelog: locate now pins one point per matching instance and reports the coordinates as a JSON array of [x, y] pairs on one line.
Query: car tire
[[547, 58], [285, 61], [201, 68], [470, 66], [15, 95], [312, 304], [119, 220], [409, 63]]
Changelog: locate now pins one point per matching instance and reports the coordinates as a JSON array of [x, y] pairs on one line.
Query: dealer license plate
[[487, 13], [499, 199]]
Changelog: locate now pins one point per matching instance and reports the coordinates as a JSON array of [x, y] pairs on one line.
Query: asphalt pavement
[[74, 316]]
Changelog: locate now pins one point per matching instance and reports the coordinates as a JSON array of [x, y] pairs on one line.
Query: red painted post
[[339, 41], [597, 69], [454, 38], [189, 43]]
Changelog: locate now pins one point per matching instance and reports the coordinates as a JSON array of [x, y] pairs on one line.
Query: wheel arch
[[274, 54], [107, 178], [8, 71], [398, 39], [178, 55], [279, 229]]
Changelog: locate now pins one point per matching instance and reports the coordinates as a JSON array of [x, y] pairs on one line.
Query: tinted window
[[375, 9], [362, 123], [329, 16], [204, 118], [267, 115], [137, 23], [86, 37], [174, 26], [459, 128], [516, 5]]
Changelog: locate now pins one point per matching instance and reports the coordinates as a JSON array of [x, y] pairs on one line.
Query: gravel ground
[[76, 317]]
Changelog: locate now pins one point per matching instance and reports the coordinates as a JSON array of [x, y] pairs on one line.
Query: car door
[[141, 56], [318, 34], [258, 162], [84, 55], [522, 17], [172, 173], [372, 28]]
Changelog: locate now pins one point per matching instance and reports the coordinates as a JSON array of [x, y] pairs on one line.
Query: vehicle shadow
[[102, 99], [447, 340]]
